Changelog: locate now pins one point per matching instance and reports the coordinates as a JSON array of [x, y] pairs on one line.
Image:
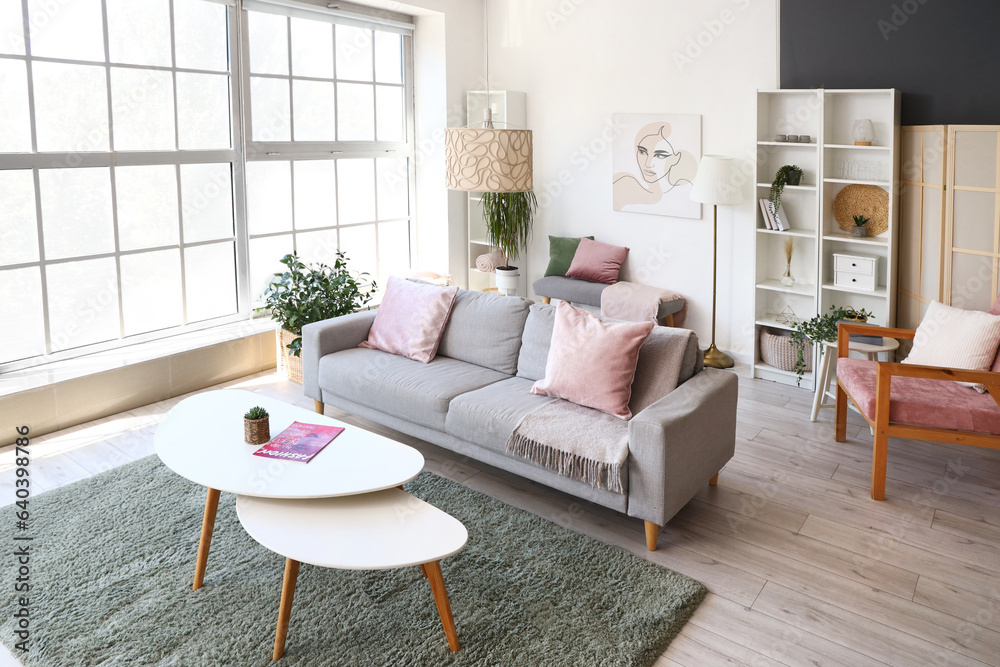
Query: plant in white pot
[[509, 217], [307, 293]]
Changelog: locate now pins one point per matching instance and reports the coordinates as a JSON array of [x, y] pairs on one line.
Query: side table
[[829, 354]]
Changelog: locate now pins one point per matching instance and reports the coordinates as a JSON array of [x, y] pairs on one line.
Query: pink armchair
[[911, 401]]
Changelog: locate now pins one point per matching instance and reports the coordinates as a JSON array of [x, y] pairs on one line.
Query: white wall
[[580, 61]]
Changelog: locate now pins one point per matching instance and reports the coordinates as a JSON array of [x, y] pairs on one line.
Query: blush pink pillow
[[411, 319], [597, 262], [591, 362]]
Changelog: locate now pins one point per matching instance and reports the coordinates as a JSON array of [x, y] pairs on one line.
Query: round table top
[[373, 531], [888, 345], [201, 438]]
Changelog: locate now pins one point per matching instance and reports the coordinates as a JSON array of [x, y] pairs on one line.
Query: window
[[133, 202], [327, 160]]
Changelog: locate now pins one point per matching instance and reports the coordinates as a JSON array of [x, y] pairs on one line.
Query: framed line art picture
[[654, 159]]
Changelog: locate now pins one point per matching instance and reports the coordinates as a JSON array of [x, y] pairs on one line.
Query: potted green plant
[[256, 426], [509, 217], [788, 174], [307, 293], [860, 230], [821, 329]]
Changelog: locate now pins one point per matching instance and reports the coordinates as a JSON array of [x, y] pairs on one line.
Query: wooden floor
[[803, 568]]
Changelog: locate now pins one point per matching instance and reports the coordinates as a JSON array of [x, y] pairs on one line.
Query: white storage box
[[859, 271]]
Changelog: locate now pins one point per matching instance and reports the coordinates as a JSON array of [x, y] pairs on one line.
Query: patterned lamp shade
[[488, 159]]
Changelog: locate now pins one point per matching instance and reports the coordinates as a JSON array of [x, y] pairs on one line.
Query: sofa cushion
[[600, 262], [538, 336], [918, 402], [570, 289], [487, 416], [411, 319], [399, 386], [592, 362], [485, 329]]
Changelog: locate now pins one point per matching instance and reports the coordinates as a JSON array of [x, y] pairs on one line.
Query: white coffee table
[[201, 438], [374, 531]]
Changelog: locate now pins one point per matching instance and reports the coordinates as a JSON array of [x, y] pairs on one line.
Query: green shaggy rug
[[113, 557]]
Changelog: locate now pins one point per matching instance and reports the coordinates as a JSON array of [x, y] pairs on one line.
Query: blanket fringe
[[597, 474]]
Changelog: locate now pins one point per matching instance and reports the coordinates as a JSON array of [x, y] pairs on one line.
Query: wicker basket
[[777, 350], [288, 365], [256, 431]]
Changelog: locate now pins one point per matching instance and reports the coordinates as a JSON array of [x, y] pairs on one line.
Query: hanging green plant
[[789, 174], [821, 329]]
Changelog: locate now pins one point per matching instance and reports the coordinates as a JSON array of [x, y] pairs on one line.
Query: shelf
[[769, 321], [879, 291], [857, 148], [801, 233], [881, 184], [847, 238], [790, 187], [802, 289], [761, 366], [788, 143]]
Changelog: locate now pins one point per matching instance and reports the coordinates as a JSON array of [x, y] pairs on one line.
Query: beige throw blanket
[[574, 441], [633, 302]]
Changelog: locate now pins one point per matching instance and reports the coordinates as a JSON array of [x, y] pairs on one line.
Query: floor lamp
[[718, 184]]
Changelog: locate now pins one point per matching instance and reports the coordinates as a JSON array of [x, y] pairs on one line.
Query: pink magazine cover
[[299, 442]]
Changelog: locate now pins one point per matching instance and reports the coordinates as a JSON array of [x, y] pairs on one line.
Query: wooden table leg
[[207, 525], [433, 572], [285, 609]]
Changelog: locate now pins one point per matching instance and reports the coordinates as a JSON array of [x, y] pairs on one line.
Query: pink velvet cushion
[[591, 362], [597, 262], [411, 319], [937, 403]]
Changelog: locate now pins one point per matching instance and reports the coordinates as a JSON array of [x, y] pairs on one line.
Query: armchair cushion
[[955, 338], [919, 402]]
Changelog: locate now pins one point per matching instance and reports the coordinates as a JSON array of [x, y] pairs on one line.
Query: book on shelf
[[781, 224], [299, 442], [764, 206]]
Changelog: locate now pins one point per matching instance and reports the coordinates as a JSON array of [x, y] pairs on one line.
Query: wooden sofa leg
[[319, 407], [652, 530], [714, 481], [880, 452], [546, 299], [841, 420]]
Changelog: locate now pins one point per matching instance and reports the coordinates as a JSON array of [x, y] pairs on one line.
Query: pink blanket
[[633, 302]]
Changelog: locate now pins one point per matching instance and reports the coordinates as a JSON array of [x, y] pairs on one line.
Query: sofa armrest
[[322, 338], [679, 443]]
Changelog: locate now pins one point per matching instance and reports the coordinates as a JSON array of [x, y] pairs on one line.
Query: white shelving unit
[[827, 116], [508, 111]]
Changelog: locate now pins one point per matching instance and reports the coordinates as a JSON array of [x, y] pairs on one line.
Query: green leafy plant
[[789, 174], [860, 220], [307, 293], [821, 329], [509, 217], [256, 412]]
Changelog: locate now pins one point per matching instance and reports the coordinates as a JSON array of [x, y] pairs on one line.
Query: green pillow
[[561, 251]]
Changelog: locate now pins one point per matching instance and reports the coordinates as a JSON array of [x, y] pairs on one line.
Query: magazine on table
[[299, 442]]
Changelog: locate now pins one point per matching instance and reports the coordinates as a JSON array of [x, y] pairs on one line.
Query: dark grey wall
[[943, 55]]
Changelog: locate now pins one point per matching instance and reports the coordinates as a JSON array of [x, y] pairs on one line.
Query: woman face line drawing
[[655, 157]]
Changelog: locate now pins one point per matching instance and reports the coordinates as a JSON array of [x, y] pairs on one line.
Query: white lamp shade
[[488, 160], [717, 182]]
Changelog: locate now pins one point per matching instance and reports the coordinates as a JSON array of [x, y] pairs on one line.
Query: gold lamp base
[[715, 358]]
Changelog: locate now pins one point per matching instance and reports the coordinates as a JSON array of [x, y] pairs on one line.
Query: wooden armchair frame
[[880, 422]]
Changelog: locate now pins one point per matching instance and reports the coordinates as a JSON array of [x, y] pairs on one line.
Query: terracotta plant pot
[[256, 431]]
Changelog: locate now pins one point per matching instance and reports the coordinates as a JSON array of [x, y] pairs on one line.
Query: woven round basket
[[256, 431], [288, 365], [777, 350], [870, 201]]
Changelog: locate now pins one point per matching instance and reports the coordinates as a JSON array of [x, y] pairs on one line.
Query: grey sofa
[[472, 395]]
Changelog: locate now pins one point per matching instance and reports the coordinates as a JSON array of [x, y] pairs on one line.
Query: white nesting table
[[374, 531], [829, 354], [201, 438]]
